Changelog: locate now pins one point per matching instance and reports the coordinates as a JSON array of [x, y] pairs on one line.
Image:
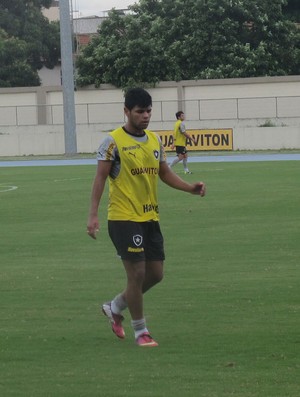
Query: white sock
[[118, 304], [175, 161], [139, 327], [185, 164]]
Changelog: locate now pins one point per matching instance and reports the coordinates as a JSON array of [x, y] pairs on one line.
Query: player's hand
[[199, 188], [92, 227]]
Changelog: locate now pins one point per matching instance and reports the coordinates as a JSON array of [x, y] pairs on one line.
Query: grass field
[[226, 316]]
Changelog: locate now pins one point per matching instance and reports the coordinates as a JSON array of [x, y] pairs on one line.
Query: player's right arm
[[103, 170], [173, 142]]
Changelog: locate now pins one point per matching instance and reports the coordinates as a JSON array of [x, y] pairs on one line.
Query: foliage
[[164, 40], [268, 123], [15, 70], [35, 41], [112, 55]]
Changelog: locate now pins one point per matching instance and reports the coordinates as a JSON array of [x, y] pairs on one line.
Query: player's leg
[[113, 309], [154, 274], [153, 244], [177, 159], [136, 272], [179, 156], [185, 166], [132, 298], [154, 253], [118, 304], [123, 235]]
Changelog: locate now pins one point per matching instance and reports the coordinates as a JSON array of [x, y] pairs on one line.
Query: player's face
[[138, 118], [182, 117]]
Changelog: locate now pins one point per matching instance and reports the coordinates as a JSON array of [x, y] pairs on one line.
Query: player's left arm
[[173, 180], [188, 136], [183, 132]]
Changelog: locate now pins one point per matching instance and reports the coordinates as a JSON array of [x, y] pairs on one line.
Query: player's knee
[[158, 277], [135, 276]]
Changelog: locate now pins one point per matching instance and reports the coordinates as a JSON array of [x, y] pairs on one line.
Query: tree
[[191, 39], [112, 55], [29, 32], [15, 70], [260, 43]]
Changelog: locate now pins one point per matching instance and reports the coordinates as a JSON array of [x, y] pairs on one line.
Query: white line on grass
[[66, 180], [7, 188]]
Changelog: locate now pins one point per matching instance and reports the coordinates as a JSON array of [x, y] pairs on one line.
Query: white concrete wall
[[234, 102], [42, 140], [242, 88], [266, 138], [31, 119]]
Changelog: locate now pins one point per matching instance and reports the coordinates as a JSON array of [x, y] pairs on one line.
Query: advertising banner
[[216, 139]]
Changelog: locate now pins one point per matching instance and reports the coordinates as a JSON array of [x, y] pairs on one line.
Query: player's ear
[[126, 111]]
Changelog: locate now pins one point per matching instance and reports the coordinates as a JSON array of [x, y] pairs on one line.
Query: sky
[[96, 7]]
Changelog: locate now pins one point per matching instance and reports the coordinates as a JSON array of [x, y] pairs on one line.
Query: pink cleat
[[145, 340], [115, 320]]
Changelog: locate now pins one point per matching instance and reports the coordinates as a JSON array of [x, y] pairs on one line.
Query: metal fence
[[284, 107]]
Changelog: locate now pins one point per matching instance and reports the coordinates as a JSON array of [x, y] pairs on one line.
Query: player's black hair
[[178, 114], [137, 97]]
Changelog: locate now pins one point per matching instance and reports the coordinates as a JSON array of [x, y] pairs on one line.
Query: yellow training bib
[[133, 193]]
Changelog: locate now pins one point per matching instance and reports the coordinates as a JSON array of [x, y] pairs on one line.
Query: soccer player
[[180, 137], [132, 158]]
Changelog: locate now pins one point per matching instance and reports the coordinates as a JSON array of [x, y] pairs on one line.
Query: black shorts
[[180, 149], [137, 241]]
